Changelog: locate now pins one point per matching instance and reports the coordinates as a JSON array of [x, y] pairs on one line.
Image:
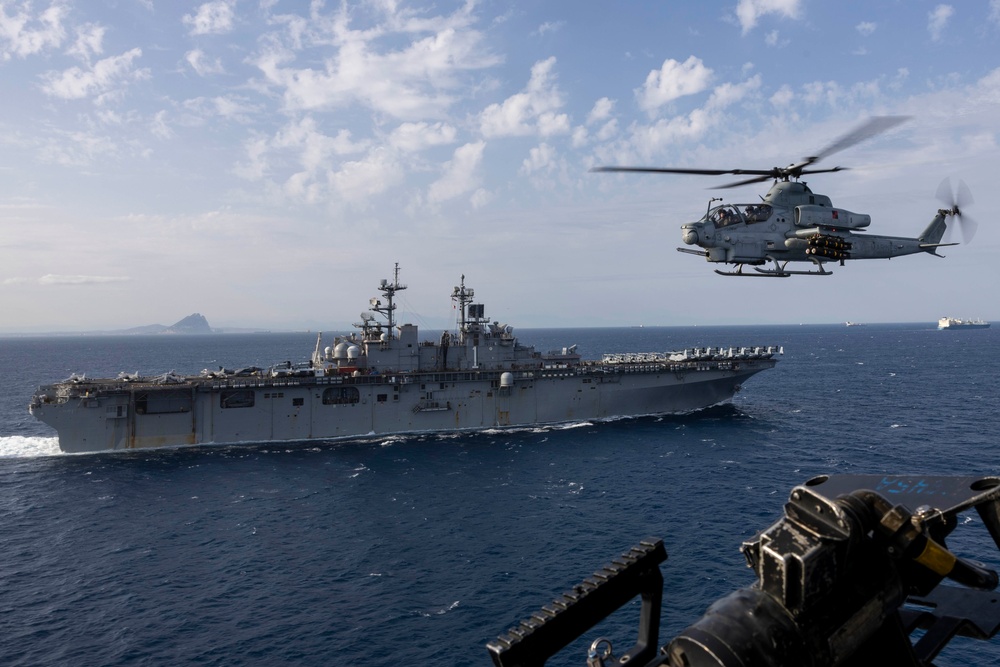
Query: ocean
[[417, 550]]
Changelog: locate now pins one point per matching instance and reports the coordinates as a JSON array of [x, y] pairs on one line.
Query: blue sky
[[266, 162]]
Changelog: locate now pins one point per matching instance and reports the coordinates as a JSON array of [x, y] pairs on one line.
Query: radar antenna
[[463, 296], [389, 291]]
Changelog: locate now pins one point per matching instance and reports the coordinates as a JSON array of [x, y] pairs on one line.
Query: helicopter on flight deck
[[794, 224]]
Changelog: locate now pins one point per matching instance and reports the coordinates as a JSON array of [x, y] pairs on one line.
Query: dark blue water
[[418, 550]]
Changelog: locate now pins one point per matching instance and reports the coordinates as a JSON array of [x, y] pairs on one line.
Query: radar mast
[[463, 296], [389, 291]]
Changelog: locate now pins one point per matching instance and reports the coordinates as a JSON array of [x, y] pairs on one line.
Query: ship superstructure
[[382, 379]]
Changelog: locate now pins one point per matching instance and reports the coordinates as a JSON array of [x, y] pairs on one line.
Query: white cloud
[[212, 18], [834, 95], [77, 82], [481, 197], [305, 164], [418, 80], [581, 136], [865, 28], [646, 140], [550, 124], [461, 173], [649, 139], [902, 76], [22, 34], [357, 182], [727, 94], [550, 26], [783, 97], [608, 130], [89, 42], [938, 19], [256, 168], [159, 126], [540, 158], [815, 92], [602, 110], [749, 11], [413, 137], [55, 279], [233, 108], [201, 64], [672, 81], [532, 111], [76, 149], [994, 15]]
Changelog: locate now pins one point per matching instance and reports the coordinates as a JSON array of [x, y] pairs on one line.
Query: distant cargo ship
[[956, 323], [386, 381]]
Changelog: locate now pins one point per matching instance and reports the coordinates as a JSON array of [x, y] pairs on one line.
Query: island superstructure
[[383, 380]]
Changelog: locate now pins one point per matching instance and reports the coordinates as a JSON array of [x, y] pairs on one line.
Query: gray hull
[[127, 416], [386, 381]]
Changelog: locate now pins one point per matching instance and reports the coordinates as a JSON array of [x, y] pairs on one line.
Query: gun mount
[[844, 578]]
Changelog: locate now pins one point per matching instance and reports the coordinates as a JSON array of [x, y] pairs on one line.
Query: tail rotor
[[956, 200]]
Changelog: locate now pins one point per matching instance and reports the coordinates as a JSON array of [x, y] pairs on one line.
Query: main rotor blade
[[822, 171], [774, 173], [736, 184], [670, 170], [873, 126]]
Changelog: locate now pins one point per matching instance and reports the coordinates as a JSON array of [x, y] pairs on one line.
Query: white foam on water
[[21, 447]]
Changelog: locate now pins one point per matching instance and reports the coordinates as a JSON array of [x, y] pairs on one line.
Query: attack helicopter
[[794, 224]]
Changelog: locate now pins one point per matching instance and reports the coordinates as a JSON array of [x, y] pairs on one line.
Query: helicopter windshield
[[731, 214], [757, 212], [725, 215]]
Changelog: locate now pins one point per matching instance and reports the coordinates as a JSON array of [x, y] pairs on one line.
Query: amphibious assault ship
[[383, 380]]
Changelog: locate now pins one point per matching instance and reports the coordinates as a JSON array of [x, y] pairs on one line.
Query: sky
[[266, 162]]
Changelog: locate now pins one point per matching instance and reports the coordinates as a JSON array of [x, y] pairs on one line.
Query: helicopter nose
[[690, 236]]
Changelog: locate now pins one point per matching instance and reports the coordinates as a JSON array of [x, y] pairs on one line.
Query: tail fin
[[934, 232]]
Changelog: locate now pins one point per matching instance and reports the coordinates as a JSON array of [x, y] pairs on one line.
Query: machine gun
[[844, 578]]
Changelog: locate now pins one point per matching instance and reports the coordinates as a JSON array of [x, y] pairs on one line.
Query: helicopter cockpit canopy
[[731, 214]]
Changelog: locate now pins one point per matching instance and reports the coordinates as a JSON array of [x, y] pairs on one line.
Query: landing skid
[[763, 273], [779, 271]]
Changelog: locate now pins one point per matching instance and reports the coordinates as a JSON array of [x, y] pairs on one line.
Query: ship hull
[[957, 323], [195, 412]]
